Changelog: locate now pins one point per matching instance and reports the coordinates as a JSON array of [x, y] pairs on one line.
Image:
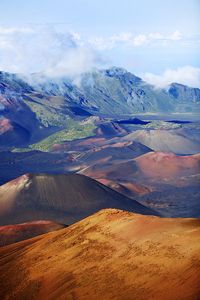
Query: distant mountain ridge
[[182, 92], [111, 91], [39, 105]]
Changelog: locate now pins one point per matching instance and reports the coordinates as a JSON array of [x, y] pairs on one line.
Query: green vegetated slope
[[50, 111], [74, 130]]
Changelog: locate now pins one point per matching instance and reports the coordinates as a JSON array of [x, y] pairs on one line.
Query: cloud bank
[[130, 40], [56, 52], [187, 75], [43, 48]]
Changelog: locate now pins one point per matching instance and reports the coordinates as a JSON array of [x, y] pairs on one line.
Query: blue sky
[[149, 38], [106, 16]]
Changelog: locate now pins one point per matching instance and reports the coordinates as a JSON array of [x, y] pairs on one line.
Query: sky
[[157, 40]]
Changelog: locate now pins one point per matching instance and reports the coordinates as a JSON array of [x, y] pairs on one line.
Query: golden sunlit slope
[[61, 198], [112, 254]]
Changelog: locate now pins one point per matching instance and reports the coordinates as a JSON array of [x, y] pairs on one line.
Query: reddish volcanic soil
[[79, 145], [110, 255], [139, 173], [5, 125], [136, 188], [161, 165], [14, 233], [126, 188]]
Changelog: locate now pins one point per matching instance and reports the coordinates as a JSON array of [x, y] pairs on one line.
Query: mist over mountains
[[35, 106], [110, 91]]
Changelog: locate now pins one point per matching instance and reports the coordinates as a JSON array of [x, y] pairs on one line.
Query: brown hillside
[[110, 255]]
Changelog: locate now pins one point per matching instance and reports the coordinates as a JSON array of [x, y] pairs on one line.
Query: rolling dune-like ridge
[[112, 254]]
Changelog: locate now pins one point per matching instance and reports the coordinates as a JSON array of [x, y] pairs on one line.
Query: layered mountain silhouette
[[61, 198], [112, 254]]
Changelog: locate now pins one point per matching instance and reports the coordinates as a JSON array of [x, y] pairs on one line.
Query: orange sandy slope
[[112, 254]]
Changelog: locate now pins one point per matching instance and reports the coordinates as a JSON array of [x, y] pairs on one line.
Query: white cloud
[[11, 30], [100, 43], [155, 36], [73, 63], [65, 53], [131, 40], [175, 36], [140, 40], [43, 48], [187, 75]]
